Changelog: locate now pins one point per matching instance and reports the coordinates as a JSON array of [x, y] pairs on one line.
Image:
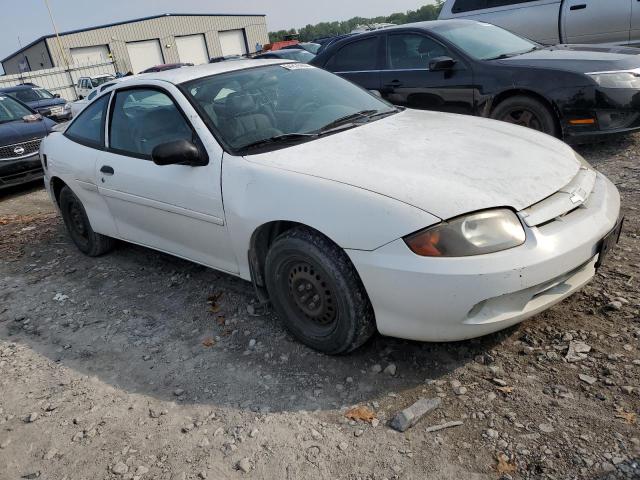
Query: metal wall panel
[[58, 80], [37, 57], [165, 29]]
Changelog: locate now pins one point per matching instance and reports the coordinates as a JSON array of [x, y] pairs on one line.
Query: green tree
[[330, 29]]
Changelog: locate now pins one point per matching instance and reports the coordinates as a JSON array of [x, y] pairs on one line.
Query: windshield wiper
[[366, 114], [284, 138], [515, 54]]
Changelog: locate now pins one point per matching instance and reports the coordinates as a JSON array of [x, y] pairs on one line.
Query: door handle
[[107, 170], [582, 6]]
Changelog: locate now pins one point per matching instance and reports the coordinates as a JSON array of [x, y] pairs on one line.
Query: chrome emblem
[[579, 196], [18, 150]]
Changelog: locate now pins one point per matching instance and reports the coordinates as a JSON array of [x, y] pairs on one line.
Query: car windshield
[[311, 47], [483, 41], [280, 105], [296, 54], [10, 110], [97, 81], [32, 94]]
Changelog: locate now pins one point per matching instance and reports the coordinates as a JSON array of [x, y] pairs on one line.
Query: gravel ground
[[138, 365]]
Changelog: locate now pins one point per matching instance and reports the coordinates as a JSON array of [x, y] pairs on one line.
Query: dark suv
[[41, 100], [21, 131]]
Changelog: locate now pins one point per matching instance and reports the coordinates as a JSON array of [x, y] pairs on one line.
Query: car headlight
[[67, 107], [474, 234], [616, 79]]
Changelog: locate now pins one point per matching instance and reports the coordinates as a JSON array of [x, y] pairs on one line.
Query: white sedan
[[347, 214]]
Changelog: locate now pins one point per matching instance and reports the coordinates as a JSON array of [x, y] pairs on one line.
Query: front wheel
[[317, 293], [75, 219], [526, 112]]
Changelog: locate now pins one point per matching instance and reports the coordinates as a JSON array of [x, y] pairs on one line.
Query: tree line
[[330, 29]]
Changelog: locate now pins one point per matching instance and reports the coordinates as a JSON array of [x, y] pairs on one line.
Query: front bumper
[[17, 172], [449, 299], [614, 111]]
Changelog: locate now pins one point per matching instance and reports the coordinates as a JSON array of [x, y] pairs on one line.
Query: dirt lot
[[140, 365]]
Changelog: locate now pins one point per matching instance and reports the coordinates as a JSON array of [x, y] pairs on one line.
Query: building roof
[[134, 20]]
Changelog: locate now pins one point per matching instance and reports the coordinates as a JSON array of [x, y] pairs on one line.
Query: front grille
[[20, 150]]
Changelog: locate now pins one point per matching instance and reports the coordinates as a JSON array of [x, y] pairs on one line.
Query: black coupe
[[575, 92]]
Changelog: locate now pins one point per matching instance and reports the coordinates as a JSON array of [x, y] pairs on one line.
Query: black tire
[[317, 293], [527, 112], [75, 219]]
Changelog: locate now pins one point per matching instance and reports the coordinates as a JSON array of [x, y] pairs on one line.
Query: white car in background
[[347, 213], [86, 85], [79, 105]]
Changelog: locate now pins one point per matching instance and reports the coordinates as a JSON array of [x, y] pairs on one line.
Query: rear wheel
[[527, 112], [317, 292], [77, 223]]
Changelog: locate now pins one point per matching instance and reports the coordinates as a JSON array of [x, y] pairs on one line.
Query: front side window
[[10, 110], [142, 119], [412, 51], [88, 127], [277, 106], [484, 41], [356, 56]]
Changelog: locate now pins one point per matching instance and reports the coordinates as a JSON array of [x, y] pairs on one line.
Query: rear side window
[[356, 56], [462, 6], [88, 127], [142, 119]]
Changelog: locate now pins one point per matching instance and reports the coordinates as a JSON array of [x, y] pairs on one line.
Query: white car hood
[[445, 164]]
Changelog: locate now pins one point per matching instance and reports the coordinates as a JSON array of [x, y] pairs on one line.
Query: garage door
[[143, 55], [192, 49], [232, 42], [90, 55]]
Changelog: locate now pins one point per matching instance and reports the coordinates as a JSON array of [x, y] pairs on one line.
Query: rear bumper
[[449, 299], [17, 172]]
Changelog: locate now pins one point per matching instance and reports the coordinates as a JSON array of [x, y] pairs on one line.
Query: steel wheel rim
[[311, 296], [77, 222]]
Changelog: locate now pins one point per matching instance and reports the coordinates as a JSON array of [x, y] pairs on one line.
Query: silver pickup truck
[[610, 22]]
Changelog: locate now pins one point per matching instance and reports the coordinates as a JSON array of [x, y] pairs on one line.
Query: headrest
[[240, 104], [425, 46]]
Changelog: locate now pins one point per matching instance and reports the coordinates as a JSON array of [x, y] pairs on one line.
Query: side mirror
[[56, 95], [177, 152], [439, 64]]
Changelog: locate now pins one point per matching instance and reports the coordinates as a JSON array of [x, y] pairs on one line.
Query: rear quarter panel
[[74, 164]]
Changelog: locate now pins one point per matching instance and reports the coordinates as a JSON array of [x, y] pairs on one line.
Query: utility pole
[[55, 30]]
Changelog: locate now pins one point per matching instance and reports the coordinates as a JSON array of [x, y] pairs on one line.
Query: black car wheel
[[75, 219], [317, 293], [527, 112]]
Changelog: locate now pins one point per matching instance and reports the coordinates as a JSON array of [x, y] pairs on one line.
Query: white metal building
[[138, 44]]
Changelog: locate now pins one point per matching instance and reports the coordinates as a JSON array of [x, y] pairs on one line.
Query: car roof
[[181, 75], [17, 88]]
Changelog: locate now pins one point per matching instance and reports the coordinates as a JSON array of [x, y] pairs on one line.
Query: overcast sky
[[28, 19]]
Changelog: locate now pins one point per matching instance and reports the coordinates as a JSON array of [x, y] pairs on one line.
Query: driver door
[[174, 208], [408, 81]]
